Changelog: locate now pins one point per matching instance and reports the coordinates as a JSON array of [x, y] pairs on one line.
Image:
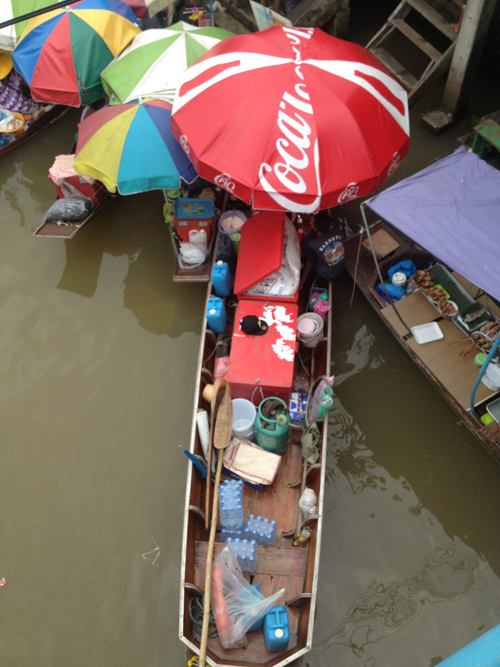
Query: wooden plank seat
[[277, 568]]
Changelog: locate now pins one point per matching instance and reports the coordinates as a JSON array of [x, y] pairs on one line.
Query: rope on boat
[[196, 605]]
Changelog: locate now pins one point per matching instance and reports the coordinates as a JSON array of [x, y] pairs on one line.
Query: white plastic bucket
[[491, 377], [310, 328], [244, 413], [232, 221]]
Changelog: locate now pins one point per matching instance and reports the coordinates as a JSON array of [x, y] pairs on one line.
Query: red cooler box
[[264, 362], [66, 180], [260, 255], [194, 214]]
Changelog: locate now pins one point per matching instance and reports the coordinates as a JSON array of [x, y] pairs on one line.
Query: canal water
[[98, 352]]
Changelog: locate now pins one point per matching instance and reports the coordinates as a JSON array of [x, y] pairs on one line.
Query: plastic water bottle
[[261, 530], [245, 552], [231, 504], [226, 533]]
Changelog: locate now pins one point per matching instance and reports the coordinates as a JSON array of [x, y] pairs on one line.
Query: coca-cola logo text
[[396, 159], [349, 192], [225, 182], [294, 147], [184, 143]]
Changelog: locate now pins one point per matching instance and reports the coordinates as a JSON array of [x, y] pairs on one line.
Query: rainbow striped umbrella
[[131, 148], [61, 54], [12, 9]]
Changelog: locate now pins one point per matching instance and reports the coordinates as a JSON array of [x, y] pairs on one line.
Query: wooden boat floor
[[68, 230], [281, 566], [442, 358]]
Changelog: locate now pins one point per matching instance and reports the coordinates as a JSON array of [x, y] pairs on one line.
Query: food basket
[[18, 122]]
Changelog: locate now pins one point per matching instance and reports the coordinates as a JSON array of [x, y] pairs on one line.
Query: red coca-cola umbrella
[[292, 119]]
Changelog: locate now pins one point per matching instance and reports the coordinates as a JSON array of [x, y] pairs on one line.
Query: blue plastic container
[[216, 315], [222, 279], [258, 625], [276, 629]]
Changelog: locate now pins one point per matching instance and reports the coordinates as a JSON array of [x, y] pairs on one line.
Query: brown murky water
[[98, 351]]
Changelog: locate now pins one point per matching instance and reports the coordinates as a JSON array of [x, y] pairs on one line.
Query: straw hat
[[5, 64]]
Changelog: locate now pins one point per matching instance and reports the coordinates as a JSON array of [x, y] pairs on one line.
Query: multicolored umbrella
[[153, 62], [138, 7], [292, 119], [130, 148], [12, 9], [61, 54], [144, 8]]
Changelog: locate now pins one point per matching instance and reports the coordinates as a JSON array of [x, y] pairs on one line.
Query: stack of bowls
[[310, 328]]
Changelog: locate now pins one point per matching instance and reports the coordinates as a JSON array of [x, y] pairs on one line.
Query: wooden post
[[468, 50]]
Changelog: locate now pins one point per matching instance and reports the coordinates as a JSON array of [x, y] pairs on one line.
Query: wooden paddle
[[217, 392], [222, 438]]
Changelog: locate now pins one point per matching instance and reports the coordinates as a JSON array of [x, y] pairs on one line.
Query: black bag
[[69, 210]]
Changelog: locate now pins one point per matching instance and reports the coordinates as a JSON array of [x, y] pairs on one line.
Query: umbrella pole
[[211, 14]]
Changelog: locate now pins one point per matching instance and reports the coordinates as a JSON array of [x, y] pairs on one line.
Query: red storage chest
[[65, 179], [264, 362], [260, 254]]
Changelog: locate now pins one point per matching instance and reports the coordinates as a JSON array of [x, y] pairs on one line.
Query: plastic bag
[[236, 605], [285, 281], [192, 254], [69, 210], [406, 266]]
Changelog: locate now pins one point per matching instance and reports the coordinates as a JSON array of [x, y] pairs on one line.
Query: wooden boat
[[45, 115], [63, 229], [448, 358], [189, 274], [284, 565], [68, 183], [185, 273]]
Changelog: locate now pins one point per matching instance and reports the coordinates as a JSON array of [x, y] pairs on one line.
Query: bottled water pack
[[261, 530], [231, 504], [245, 552]]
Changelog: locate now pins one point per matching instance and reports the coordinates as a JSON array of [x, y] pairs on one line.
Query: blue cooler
[[276, 629]]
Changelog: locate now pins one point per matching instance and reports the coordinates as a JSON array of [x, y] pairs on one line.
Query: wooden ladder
[[429, 25]]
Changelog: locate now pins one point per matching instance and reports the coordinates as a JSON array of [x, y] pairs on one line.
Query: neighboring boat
[[445, 219], [44, 115], [294, 567], [203, 221], [66, 229], [70, 185]]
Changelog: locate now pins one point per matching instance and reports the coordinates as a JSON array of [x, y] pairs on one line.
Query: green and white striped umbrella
[[152, 64]]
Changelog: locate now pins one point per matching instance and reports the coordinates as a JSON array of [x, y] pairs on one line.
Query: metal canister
[[272, 428]]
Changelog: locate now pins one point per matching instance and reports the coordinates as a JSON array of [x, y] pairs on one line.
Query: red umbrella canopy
[[292, 119]]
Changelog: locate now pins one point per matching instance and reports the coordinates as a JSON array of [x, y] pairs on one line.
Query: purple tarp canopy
[[452, 209]]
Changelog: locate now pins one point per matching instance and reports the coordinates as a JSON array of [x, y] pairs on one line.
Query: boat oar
[[222, 438], [214, 394]]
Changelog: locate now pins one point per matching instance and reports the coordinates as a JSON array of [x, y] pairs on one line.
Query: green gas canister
[[272, 428]]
